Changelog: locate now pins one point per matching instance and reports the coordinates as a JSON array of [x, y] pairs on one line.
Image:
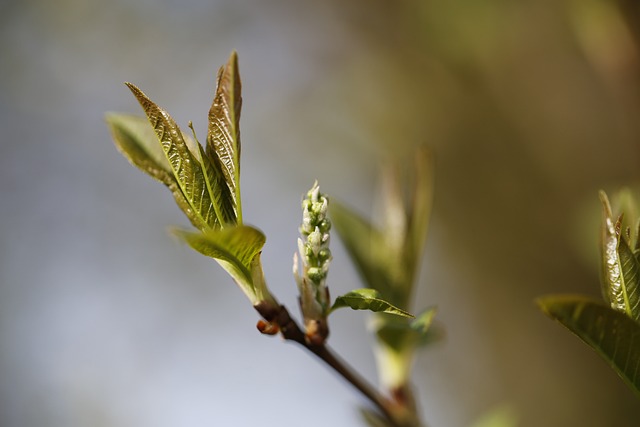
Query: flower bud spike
[[311, 264]]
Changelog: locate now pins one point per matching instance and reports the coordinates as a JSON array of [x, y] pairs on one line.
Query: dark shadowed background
[[105, 321]]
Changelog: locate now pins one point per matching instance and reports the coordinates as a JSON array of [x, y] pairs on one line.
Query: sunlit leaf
[[223, 138], [621, 269], [236, 250], [365, 244], [218, 189], [630, 268], [185, 166], [367, 299], [136, 140], [611, 333]]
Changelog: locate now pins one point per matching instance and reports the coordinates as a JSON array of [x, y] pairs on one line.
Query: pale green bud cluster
[[314, 258]]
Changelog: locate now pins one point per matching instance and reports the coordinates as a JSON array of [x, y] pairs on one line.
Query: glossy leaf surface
[[236, 250], [611, 333], [621, 268], [223, 137], [367, 299], [218, 189], [185, 166]]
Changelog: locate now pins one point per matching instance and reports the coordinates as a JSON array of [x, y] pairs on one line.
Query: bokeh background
[[105, 321]]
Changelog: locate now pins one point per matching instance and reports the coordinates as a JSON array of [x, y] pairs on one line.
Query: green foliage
[[387, 257], [204, 182], [612, 330], [402, 334], [185, 165], [135, 139], [223, 136], [367, 299], [237, 250], [621, 268], [501, 416], [373, 419], [611, 333], [365, 245]]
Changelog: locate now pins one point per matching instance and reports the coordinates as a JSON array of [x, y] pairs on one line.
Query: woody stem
[[279, 315]]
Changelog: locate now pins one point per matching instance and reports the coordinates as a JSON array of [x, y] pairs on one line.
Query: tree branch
[[279, 319]]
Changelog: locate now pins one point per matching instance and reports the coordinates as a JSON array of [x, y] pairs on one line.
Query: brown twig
[[278, 318]]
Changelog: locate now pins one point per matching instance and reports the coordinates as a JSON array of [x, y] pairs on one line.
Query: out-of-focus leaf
[[422, 323], [420, 211], [367, 299], [611, 333], [365, 244], [501, 416], [236, 250], [621, 269], [136, 140], [223, 138], [185, 166], [406, 335], [373, 419]]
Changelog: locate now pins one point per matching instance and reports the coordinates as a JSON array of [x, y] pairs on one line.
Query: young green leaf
[[621, 269], [136, 140], [422, 323], [223, 138], [365, 244], [218, 189], [236, 250], [406, 335], [611, 333], [367, 299], [185, 166]]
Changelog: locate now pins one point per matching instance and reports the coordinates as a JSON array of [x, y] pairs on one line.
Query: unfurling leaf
[[185, 165], [223, 137], [136, 140], [237, 250], [611, 333], [367, 299], [621, 268]]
